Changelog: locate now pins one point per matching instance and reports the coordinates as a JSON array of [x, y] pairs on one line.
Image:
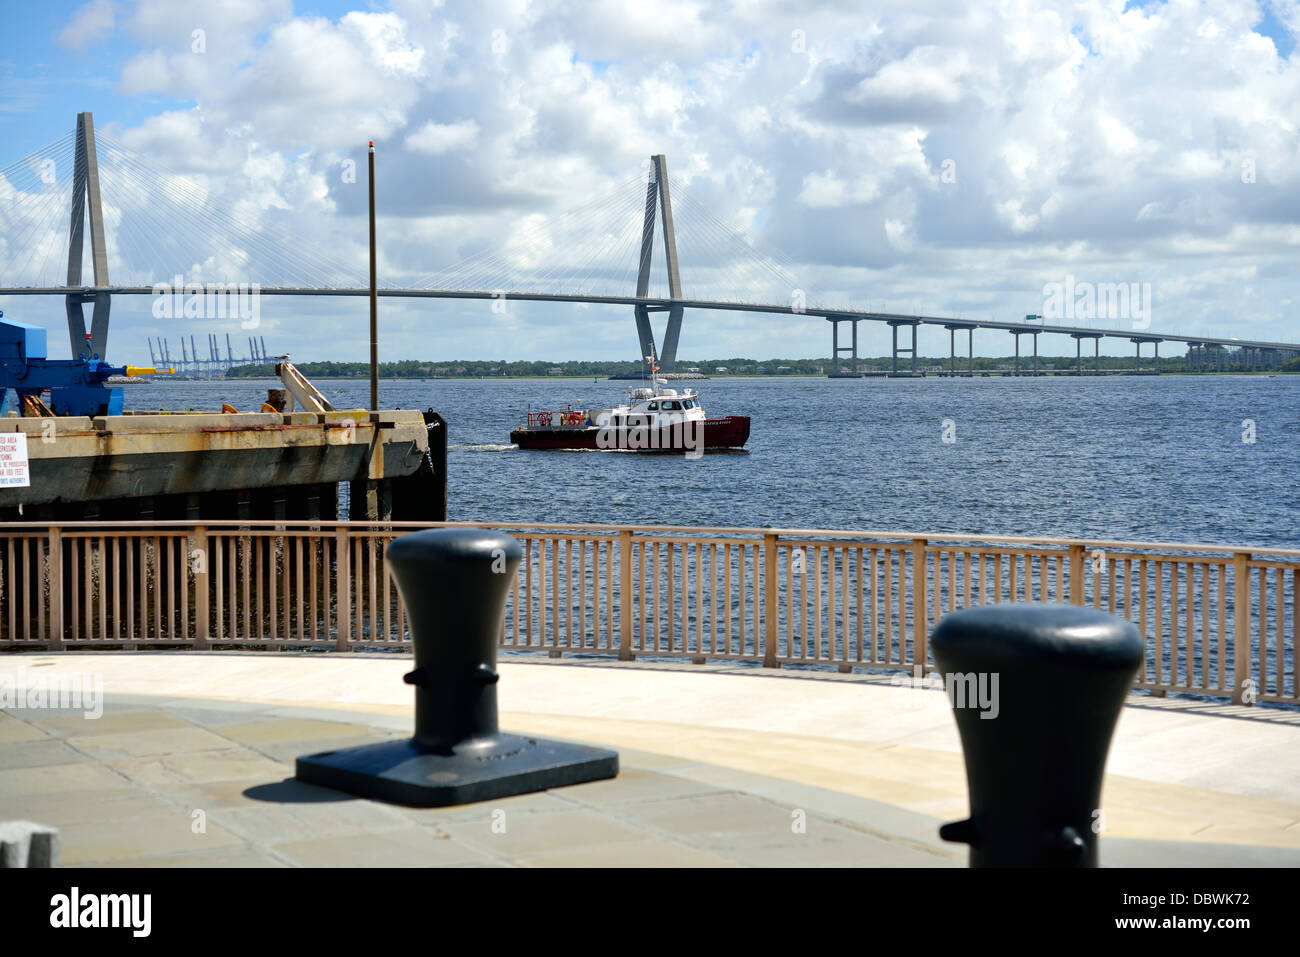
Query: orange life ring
[[575, 418]]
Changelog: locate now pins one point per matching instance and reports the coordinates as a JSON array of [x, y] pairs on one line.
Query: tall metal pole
[[374, 295]]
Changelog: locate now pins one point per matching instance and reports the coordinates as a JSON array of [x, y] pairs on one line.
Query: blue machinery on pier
[[76, 386]]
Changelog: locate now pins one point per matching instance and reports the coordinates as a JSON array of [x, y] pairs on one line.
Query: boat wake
[[484, 448]]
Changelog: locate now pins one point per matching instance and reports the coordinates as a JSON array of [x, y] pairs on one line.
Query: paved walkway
[[192, 760]]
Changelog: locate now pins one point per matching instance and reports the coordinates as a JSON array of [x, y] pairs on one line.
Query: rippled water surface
[[1154, 458]]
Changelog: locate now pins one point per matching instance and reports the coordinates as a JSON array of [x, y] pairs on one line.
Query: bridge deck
[[659, 303]]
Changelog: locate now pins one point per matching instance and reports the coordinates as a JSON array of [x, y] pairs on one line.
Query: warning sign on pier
[[13, 460]]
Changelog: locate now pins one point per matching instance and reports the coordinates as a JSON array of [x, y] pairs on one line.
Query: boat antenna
[[652, 363]]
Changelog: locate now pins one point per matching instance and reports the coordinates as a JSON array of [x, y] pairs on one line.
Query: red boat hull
[[731, 432]]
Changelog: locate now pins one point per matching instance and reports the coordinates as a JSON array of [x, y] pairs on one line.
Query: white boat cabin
[[653, 407]]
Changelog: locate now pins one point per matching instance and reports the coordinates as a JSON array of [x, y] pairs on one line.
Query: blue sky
[[1101, 140], [44, 84]]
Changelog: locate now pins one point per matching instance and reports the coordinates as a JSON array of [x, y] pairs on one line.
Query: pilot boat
[[654, 419]]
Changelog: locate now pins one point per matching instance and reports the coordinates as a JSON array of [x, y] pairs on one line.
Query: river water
[[1167, 458]]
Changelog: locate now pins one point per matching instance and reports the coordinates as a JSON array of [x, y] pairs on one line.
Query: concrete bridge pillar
[[1078, 338], [85, 201], [836, 348], [1025, 332], [1137, 342], [952, 346], [657, 198], [910, 350]]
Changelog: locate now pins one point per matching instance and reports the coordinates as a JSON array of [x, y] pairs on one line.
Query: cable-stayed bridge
[[157, 233]]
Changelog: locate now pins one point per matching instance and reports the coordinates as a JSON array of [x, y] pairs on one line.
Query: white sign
[[14, 472]]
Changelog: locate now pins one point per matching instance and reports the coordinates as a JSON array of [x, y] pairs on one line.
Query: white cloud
[[1084, 137], [91, 23], [827, 190], [438, 138]]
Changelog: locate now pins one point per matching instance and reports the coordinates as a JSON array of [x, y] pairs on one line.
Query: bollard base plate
[[405, 772]]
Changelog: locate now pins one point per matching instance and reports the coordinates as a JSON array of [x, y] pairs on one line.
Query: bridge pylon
[[657, 196], [85, 197]]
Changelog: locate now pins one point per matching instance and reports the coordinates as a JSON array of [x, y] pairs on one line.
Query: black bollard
[[1036, 690], [454, 583]]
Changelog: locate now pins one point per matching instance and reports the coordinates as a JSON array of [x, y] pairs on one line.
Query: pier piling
[[1036, 690], [453, 582]]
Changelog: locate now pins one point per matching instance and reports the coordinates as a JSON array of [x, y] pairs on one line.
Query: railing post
[[343, 589], [769, 602], [56, 588], [920, 603], [199, 563], [1077, 555], [625, 596], [1240, 628]]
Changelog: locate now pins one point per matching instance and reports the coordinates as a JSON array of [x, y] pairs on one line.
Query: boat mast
[[652, 363]]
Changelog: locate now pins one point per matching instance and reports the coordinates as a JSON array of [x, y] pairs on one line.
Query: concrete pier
[[223, 465]]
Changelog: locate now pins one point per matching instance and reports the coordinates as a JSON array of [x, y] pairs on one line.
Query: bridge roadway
[[657, 304]]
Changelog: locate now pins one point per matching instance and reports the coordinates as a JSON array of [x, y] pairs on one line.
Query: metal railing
[[1218, 620]]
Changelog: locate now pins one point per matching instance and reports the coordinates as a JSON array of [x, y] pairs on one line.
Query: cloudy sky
[[948, 158]]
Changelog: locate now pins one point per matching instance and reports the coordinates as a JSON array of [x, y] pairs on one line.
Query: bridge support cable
[[229, 241], [36, 193], [587, 246]]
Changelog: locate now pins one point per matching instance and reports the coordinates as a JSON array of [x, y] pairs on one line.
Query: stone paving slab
[[35, 754], [144, 834], [719, 767], [148, 742], [233, 805], [407, 847], [127, 719], [35, 783], [14, 731], [221, 857], [527, 834], [640, 854]]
